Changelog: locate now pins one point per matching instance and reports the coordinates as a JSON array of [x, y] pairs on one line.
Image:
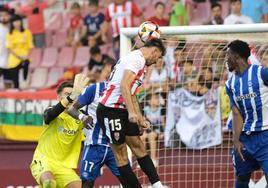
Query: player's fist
[[133, 117], [80, 82], [144, 123]]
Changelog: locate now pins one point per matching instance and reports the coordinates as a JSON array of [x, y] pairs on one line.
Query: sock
[[148, 168], [241, 184], [49, 184], [157, 185], [128, 175]]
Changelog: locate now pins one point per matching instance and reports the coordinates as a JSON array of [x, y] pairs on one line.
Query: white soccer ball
[[148, 30]]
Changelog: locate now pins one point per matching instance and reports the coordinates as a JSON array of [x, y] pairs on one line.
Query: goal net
[[184, 97]]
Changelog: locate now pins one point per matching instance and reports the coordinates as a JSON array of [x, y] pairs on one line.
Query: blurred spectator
[[76, 23], [120, 13], [263, 55], [19, 42], [154, 113], [97, 59], [34, 11], [92, 31], [256, 10], [178, 15], [4, 27], [159, 17], [205, 81], [216, 15], [236, 17]]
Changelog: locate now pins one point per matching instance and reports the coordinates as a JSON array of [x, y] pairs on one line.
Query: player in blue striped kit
[[248, 92], [96, 151]]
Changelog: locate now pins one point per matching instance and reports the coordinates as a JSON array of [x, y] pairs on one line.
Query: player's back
[[134, 62], [249, 92]]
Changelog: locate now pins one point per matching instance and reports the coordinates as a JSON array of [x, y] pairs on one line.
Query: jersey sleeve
[[135, 10], [264, 75], [230, 95], [135, 66], [88, 95]]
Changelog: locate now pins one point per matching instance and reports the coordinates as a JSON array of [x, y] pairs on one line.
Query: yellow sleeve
[[30, 39], [10, 41]]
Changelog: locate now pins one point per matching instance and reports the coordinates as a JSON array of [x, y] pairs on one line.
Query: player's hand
[[80, 82], [87, 122], [133, 118], [239, 147], [144, 123]]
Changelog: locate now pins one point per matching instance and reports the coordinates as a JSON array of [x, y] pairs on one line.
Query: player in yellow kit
[[57, 153]]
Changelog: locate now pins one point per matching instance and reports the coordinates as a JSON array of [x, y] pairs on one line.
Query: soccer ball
[[148, 30]]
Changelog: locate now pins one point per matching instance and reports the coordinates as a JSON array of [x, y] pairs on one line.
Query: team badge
[[116, 136]]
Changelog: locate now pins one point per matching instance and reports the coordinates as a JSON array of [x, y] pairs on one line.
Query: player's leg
[[144, 160], [91, 164], [121, 157], [111, 164], [152, 136], [67, 177]]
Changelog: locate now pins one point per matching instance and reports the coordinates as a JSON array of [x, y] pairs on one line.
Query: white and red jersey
[[121, 15], [134, 61]]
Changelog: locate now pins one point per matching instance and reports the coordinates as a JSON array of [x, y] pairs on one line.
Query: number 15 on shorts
[[114, 126]]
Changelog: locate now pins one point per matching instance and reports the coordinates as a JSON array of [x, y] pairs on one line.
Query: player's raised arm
[[79, 84], [125, 87]]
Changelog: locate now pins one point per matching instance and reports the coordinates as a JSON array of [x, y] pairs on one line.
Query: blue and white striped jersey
[[90, 98], [249, 93]]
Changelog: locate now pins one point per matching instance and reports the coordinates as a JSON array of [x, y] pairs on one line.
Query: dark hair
[[4, 9], [215, 5], [93, 2], [159, 3], [190, 61], [241, 48], [181, 45], [14, 18], [233, 1], [75, 5], [95, 50], [156, 43], [64, 85]]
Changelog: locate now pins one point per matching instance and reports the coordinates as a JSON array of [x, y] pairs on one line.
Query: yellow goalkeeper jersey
[[61, 141]]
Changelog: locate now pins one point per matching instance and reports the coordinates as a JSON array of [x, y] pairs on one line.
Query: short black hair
[[155, 42], [95, 50], [233, 1], [4, 9], [215, 5], [241, 48], [93, 2], [159, 3], [64, 85]]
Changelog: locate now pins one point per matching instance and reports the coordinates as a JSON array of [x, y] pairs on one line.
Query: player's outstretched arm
[[237, 129], [80, 82]]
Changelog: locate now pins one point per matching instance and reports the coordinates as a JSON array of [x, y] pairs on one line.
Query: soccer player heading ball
[[119, 115], [248, 92]]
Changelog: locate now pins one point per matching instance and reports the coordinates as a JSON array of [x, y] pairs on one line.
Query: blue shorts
[[255, 153], [93, 158]]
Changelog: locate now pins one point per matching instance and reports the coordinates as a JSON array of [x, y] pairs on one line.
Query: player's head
[[216, 10], [160, 8], [236, 6], [155, 52], [238, 52], [64, 89], [4, 15]]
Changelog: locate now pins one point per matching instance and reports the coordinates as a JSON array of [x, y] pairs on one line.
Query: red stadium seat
[[65, 58], [59, 38], [54, 75], [35, 56], [82, 57], [50, 57], [38, 78]]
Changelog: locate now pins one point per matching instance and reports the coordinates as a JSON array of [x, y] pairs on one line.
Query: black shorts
[[115, 125]]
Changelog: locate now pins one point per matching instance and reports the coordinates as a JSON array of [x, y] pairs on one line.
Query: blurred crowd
[[93, 24]]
